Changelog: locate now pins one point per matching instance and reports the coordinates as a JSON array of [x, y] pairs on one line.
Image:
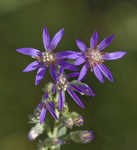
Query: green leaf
[[62, 132]]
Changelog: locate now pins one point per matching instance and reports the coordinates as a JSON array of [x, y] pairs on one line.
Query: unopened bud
[[56, 141], [35, 131], [82, 136], [78, 120], [86, 136], [69, 123]]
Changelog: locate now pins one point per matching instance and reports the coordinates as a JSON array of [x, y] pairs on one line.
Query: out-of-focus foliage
[[112, 113], [11, 5]]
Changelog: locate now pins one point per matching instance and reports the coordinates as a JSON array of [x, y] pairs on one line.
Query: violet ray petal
[[29, 51], [53, 72], [39, 75], [75, 97], [83, 72], [52, 112], [42, 115], [74, 74], [53, 88], [79, 61], [46, 38], [66, 65], [32, 66], [86, 90], [103, 44], [38, 106], [46, 95], [60, 100], [106, 72], [94, 40], [67, 55], [113, 55], [61, 69], [98, 74], [81, 45], [76, 88], [56, 39]]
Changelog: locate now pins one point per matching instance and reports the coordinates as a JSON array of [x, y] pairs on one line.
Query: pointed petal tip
[[112, 35], [17, 50], [36, 83], [62, 29], [56, 39], [24, 70], [123, 53], [44, 28], [77, 41], [81, 45], [102, 81], [112, 80], [110, 38], [82, 106], [95, 32], [41, 121], [93, 94], [56, 118]]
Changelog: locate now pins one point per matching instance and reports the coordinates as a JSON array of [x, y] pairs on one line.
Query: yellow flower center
[[62, 83], [47, 58], [93, 57]]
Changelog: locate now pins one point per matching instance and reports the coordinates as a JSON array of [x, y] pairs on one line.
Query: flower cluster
[[54, 100]]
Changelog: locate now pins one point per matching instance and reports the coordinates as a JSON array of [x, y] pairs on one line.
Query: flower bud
[[56, 141], [82, 136], [35, 131], [78, 120], [69, 123], [86, 136]]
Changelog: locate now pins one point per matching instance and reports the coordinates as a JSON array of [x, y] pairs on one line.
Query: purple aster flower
[[62, 85], [93, 57], [47, 58], [44, 106]]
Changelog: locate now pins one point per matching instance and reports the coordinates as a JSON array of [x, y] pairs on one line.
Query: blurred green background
[[112, 114]]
